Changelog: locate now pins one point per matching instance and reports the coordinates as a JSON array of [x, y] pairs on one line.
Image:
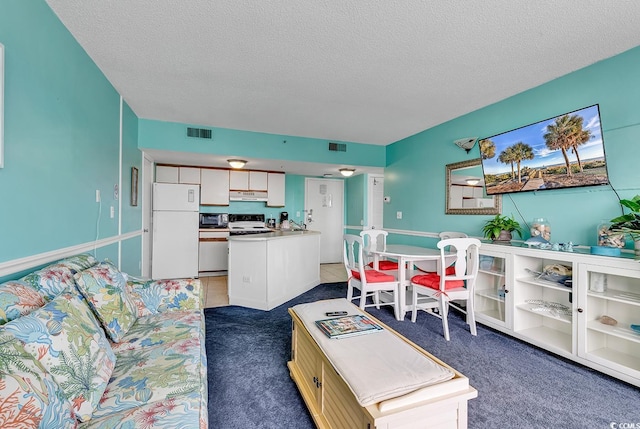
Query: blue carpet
[[518, 385]]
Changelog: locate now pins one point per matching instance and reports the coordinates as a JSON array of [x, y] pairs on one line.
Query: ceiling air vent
[[200, 133], [337, 147]]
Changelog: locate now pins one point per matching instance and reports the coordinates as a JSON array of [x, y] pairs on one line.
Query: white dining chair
[[370, 282], [431, 291], [431, 266], [444, 235], [376, 239]]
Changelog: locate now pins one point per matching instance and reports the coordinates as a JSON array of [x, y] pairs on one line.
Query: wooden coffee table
[[331, 400]]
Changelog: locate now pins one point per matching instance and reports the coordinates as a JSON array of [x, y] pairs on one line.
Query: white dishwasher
[[213, 254]]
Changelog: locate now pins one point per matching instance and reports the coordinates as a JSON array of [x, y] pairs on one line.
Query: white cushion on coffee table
[[375, 366]]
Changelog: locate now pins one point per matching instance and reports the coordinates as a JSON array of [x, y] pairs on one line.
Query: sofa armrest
[[157, 296]]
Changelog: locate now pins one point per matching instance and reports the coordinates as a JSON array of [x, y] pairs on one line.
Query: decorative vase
[[540, 228]]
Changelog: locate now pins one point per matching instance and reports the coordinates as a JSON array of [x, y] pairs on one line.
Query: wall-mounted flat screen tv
[[565, 151]]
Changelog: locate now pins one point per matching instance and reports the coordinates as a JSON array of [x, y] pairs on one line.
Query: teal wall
[[172, 136], [62, 120], [415, 173]]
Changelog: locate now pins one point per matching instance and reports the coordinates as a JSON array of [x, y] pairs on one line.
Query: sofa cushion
[[51, 280], [151, 374], [162, 329], [104, 287], [80, 262], [183, 411], [18, 299], [69, 342], [29, 397], [153, 297]]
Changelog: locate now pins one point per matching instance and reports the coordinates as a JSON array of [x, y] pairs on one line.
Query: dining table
[[407, 255]]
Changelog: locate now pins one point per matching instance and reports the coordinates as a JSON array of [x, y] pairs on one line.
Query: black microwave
[[214, 220]]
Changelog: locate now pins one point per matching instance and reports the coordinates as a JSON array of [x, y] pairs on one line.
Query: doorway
[[147, 184], [375, 205], [324, 212]]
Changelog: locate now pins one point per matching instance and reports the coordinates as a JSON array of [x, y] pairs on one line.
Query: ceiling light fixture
[[472, 182], [236, 163], [346, 172]]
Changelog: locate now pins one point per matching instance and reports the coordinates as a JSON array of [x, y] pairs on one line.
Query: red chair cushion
[[386, 265], [374, 276], [433, 281], [450, 271]]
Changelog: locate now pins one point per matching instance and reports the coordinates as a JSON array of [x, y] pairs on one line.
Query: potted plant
[[629, 223], [500, 228]]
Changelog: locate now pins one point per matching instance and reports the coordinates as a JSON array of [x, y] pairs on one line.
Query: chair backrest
[[353, 254], [374, 239], [444, 235], [467, 260]]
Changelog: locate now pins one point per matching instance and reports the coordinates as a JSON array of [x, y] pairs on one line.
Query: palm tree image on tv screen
[[565, 151]]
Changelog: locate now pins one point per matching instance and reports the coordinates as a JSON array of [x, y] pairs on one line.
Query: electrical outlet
[[246, 279], [112, 212], [298, 214], [398, 215]]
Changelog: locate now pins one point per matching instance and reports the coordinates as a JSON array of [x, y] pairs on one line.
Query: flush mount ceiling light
[[346, 172], [236, 163], [472, 182]]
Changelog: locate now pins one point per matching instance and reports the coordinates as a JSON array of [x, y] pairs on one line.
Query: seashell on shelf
[[608, 320]]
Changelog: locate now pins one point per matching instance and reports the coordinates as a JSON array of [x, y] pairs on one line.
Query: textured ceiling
[[368, 72]]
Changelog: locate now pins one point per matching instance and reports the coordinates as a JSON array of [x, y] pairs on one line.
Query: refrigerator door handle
[[191, 195]]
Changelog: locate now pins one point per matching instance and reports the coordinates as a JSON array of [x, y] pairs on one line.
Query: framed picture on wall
[[134, 186]]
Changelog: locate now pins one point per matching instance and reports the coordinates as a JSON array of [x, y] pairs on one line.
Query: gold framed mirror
[[465, 190]]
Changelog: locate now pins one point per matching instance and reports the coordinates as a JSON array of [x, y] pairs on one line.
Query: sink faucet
[[297, 227]]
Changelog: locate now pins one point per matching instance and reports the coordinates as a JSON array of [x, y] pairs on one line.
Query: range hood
[[247, 195]]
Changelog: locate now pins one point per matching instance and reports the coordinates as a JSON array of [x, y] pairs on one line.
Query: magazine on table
[[348, 326]]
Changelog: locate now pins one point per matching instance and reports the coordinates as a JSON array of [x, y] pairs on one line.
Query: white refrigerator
[[175, 230]]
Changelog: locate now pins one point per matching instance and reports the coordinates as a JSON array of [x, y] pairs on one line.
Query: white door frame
[[371, 201], [147, 184], [339, 230]]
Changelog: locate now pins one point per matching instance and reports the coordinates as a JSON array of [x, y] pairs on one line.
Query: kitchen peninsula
[[267, 270]]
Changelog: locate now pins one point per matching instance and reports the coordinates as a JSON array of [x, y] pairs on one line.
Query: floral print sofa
[[81, 345]]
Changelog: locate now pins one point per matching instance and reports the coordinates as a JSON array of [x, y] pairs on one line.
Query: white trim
[[23, 264], [1, 105], [120, 187]]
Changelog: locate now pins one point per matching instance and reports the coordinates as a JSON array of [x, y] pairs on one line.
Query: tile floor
[[215, 288]]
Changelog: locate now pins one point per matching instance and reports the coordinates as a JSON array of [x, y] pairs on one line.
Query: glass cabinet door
[[491, 292]]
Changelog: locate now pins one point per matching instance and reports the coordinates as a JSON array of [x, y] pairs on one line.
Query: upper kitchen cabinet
[[166, 174], [214, 187], [190, 175], [173, 174], [247, 180], [275, 195]]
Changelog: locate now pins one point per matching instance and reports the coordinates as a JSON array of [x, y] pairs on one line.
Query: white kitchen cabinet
[[493, 305], [275, 194], [166, 174], [258, 180], [214, 187], [613, 292], [190, 175], [213, 251], [247, 180], [238, 180], [565, 320]]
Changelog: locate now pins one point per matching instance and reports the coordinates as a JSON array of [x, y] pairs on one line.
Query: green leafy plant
[[494, 227], [629, 223]]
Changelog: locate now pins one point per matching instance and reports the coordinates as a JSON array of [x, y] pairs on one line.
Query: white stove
[[241, 224]]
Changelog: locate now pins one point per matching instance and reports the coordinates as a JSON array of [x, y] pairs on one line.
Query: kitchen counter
[[267, 270], [277, 234]]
